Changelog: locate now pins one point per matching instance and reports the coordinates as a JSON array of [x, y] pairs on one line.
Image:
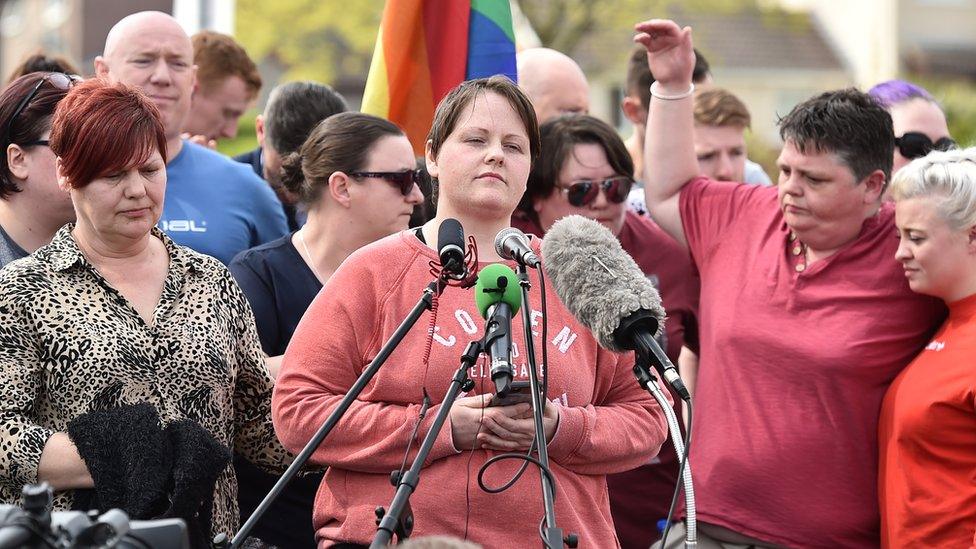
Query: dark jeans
[[288, 522]]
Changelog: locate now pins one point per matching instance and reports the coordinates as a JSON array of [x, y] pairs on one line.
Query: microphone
[[498, 298], [450, 247], [606, 291], [512, 243]]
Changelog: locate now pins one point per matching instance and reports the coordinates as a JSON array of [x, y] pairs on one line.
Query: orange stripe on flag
[[411, 103]]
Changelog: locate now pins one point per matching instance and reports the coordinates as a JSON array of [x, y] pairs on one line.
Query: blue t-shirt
[[279, 286], [217, 206]]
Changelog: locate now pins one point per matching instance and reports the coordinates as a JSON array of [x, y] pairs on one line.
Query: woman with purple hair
[[919, 123]]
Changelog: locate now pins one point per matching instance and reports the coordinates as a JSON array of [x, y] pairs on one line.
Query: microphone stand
[[646, 345], [553, 535], [399, 519], [425, 303]]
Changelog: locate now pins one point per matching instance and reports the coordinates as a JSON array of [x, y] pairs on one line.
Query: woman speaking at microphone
[[597, 420]]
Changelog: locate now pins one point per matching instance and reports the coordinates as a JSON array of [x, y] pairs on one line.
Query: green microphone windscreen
[[497, 282]]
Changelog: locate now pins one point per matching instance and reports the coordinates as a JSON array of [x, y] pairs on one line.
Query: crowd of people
[[175, 325]]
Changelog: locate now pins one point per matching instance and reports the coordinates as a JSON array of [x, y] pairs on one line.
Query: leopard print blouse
[[70, 344]]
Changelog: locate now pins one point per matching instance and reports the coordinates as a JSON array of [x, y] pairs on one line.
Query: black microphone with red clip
[[457, 264], [450, 248]]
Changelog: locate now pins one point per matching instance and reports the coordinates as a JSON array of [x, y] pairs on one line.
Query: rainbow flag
[[425, 48]]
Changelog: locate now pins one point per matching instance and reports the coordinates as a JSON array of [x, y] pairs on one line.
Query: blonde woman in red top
[[928, 418]]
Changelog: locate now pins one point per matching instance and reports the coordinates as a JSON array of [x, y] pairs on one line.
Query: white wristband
[[661, 96]]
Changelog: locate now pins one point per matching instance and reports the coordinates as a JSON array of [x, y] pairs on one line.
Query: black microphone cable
[[527, 458], [425, 405]]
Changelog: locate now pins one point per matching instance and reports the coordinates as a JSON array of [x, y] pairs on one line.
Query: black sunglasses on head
[[584, 191], [917, 145], [404, 180], [59, 80]]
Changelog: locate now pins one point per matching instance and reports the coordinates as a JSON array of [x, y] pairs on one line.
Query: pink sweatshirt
[[607, 424]]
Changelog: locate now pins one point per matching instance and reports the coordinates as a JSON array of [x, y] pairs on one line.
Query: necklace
[[308, 256]]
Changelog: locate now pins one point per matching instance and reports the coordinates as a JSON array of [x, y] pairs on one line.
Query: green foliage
[[312, 39], [246, 138], [958, 100], [563, 24]]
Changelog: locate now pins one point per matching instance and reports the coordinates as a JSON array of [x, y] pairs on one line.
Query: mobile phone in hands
[[518, 393]]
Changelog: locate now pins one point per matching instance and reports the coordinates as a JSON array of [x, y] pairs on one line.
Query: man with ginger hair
[[213, 205], [227, 85], [721, 121]]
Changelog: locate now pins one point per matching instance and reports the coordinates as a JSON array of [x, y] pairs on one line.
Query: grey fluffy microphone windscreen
[[606, 291], [597, 280]]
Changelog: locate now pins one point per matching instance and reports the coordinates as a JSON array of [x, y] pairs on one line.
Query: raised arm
[[669, 148]]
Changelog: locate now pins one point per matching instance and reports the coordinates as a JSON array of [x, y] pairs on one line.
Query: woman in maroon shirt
[[584, 169]]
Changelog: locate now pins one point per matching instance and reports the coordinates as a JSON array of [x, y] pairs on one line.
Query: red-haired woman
[[128, 364]]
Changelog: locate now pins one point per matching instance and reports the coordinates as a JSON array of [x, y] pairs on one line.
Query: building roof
[[750, 39], [958, 61], [730, 39]]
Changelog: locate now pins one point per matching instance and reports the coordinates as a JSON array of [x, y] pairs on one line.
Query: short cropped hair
[[39, 62], [559, 136], [340, 143], [948, 176], [218, 56], [848, 123], [30, 124], [639, 77], [893, 92], [451, 108], [294, 109], [719, 107], [100, 128]]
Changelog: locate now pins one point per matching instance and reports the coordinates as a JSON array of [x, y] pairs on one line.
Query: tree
[[564, 24], [957, 97], [311, 39]]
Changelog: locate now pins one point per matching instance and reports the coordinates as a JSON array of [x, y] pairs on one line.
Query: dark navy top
[[279, 286]]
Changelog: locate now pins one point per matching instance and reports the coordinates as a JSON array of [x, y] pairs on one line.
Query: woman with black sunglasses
[[32, 207], [355, 175], [584, 169], [919, 123]]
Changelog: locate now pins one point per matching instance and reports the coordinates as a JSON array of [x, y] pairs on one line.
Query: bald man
[[151, 51], [554, 82], [213, 205]]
